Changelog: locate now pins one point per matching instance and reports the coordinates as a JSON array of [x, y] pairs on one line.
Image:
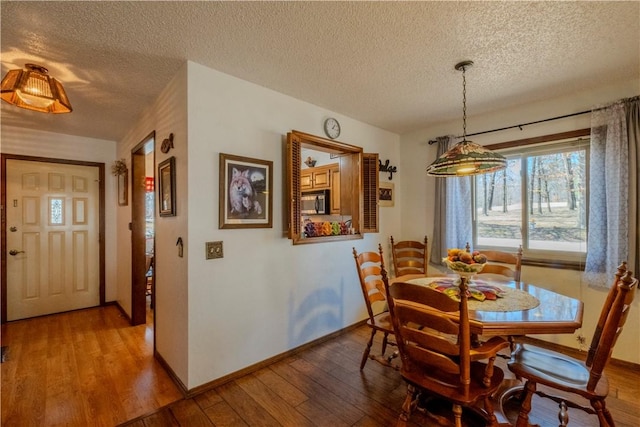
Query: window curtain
[[613, 191], [452, 220], [633, 132]]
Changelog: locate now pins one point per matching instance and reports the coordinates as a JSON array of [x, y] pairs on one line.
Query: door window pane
[[56, 211]]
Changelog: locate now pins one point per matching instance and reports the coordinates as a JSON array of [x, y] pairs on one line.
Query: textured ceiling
[[390, 64]]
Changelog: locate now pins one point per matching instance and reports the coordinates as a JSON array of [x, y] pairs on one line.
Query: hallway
[[85, 367]]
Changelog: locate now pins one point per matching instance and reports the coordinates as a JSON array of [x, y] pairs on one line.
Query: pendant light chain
[[466, 158], [464, 104]]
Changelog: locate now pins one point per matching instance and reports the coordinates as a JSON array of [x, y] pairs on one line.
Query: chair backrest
[[148, 263], [430, 348], [370, 266], [613, 317], [606, 307], [410, 256], [514, 259]]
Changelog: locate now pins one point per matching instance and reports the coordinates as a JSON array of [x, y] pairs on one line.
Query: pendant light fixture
[[34, 89], [466, 157]]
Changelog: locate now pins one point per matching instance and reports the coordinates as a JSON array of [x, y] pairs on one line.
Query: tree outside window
[[539, 201]]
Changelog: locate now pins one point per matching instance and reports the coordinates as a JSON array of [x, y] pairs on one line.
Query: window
[[539, 201], [356, 182]]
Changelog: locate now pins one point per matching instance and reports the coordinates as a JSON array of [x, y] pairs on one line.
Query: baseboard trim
[[257, 366], [172, 374], [188, 393], [156, 355], [124, 313]]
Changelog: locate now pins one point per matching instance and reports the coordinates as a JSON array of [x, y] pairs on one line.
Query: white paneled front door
[[52, 238]]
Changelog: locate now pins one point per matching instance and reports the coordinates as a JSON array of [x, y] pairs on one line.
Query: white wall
[[28, 142], [419, 191], [168, 114], [265, 296]]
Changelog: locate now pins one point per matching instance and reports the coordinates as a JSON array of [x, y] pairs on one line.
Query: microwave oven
[[315, 203]]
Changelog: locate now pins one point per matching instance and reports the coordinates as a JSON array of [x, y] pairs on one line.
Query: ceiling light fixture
[[466, 157], [34, 89]]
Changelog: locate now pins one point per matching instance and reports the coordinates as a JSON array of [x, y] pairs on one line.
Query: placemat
[[511, 300]]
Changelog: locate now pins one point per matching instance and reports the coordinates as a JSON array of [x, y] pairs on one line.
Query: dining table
[[521, 309]]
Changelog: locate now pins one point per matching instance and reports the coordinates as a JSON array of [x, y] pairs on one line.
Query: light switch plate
[[214, 250]]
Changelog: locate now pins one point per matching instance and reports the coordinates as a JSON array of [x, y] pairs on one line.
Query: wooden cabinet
[[306, 180], [322, 178], [334, 175], [318, 178]]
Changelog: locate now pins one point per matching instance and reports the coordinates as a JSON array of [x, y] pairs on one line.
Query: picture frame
[[245, 192], [167, 187], [123, 188], [386, 194]]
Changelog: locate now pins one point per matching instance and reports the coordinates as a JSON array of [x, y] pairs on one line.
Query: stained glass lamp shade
[[466, 157]]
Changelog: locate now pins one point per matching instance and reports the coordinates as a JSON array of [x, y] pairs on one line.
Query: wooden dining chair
[[437, 358], [149, 277], [370, 266], [564, 373], [410, 257], [506, 264]]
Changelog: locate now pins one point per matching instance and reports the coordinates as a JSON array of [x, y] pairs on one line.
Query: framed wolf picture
[[246, 193]]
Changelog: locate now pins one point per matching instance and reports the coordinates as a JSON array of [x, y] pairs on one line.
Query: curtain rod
[[433, 141]]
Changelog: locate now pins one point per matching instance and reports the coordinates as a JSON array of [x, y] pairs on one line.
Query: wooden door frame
[[138, 240], [3, 219]]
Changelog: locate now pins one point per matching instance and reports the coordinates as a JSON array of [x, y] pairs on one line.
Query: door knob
[[14, 252]]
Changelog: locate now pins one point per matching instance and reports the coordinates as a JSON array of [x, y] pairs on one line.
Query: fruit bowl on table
[[463, 267]]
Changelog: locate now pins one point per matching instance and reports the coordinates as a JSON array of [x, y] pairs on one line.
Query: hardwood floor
[[86, 367], [323, 386], [90, 368]]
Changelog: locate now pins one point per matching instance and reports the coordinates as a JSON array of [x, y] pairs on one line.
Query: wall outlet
[[214, 250]]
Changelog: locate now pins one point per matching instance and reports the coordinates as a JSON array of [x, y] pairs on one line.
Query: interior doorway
[[143, 290]]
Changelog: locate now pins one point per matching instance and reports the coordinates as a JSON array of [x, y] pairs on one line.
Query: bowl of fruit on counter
[[463, 262]]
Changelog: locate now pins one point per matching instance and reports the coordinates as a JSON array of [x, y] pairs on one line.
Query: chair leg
[[604, 416], [608, 416], [563, 415], [407, 405], [384, 342], [488, 408], [525, 408], [367, 350], [512, 348], [457, 415], [488, 372]]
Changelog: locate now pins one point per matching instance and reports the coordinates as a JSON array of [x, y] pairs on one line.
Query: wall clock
[[332, 128]]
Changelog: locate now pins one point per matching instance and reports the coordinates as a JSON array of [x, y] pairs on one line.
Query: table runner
[[512, 299]]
